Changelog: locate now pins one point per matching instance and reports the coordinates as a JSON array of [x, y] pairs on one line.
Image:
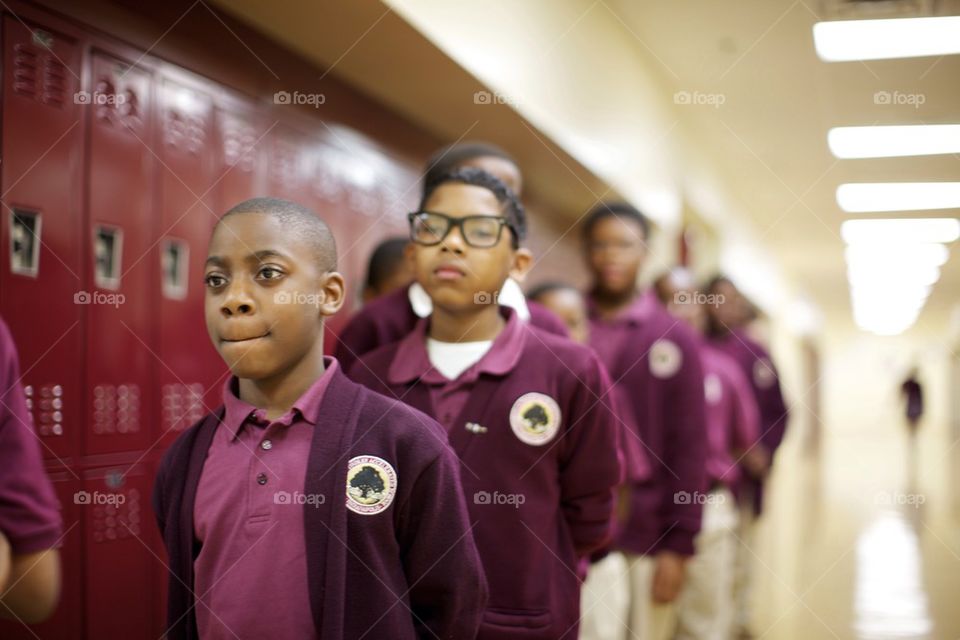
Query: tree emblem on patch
[[535, 418], [371, 484]]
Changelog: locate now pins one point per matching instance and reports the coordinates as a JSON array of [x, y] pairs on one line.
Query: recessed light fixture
[[894, 141], [901, 230], [846, 40], [898, 196]]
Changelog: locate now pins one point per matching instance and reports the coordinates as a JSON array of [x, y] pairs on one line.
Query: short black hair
[[618, 210], [512, 209], [453, 156], [384, 260], [303, 221], [716, 281], [549, 287]]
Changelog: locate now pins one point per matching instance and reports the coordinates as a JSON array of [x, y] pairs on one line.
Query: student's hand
[[668, 576], [756, 461], [4, 562]]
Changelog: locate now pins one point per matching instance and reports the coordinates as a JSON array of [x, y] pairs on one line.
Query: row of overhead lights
[[892, 264]]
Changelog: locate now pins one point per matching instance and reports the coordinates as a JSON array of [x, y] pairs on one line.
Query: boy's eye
[[269, 273], [215, 280]]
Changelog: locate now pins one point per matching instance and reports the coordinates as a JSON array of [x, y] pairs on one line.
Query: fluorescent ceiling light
[[894, 141], [935, 254], [900, 230], [845, 40], [862, 197]]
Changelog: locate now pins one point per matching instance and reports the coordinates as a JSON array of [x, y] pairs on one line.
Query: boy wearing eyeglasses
[[392, 316], [526, 411]]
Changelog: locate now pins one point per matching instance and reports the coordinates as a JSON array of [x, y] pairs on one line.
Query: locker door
[[42, 288], [242, 141], [191, 373], [117, 560], [67, 619], [120, 344]]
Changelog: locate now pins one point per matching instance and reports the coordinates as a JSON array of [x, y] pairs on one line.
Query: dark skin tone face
[[726, 316], [454, 273], [615, 253], [400, 277], [568, 304], [266, 298]]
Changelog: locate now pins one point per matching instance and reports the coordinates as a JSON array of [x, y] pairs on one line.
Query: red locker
[[191, 372], [120, 342], [42, 284], [242, 141], [68, 618], [117, 559]]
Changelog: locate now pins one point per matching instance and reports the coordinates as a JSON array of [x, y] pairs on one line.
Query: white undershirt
[[453, 358]]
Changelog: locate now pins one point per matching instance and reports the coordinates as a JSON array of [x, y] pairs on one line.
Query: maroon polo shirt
[[391, 317], [29, 511], [654, 359], [733, 420], [538, 445], [248, 517]]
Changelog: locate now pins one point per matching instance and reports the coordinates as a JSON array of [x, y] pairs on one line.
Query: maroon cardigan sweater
[[411, 571]]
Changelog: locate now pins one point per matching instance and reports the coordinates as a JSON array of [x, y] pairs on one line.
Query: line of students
[[458, 469]]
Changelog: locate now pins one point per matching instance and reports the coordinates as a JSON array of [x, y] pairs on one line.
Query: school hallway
[[852, 547], [737, 220]]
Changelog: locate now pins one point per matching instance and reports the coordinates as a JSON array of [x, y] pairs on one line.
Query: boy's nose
[[454, 241]]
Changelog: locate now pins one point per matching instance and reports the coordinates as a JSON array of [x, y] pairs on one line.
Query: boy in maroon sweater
[[306, 506], [526, 411], [654, 358]]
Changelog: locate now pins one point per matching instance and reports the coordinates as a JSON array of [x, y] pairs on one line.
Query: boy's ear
[[522, 263], [334, 293]]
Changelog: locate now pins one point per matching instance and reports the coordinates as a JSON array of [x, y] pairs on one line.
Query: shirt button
[[266, 445], [261, 478]]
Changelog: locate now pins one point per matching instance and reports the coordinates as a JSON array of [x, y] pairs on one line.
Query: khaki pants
[[743, 568], [706, 607], [617, 603]]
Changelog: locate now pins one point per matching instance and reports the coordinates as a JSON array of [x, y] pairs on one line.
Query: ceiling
[[768, 139], [766, 142]]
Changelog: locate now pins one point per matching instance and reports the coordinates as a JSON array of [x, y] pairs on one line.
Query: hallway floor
[[855, 545]]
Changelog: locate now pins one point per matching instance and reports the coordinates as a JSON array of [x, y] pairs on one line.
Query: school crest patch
[[763, 375], [712, 388], [371, 484], [665, 358], [535, 418]]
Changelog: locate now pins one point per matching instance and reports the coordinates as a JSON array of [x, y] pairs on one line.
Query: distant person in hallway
[[912, 391]]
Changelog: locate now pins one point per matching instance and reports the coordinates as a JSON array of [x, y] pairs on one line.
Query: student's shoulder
[[403, 427], [562, 356], [372, 366]]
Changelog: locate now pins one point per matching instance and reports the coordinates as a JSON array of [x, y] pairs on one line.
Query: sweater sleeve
[[591, 460]]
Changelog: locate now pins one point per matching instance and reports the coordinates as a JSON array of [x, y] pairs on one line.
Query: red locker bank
[[117, 158]]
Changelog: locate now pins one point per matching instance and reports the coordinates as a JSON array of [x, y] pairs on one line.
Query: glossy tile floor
[[858, 543]]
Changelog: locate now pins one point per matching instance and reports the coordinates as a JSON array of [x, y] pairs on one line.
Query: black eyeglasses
[[428, 228]]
